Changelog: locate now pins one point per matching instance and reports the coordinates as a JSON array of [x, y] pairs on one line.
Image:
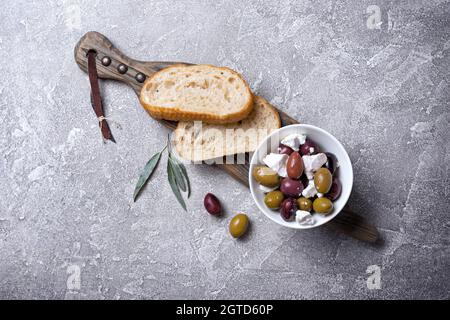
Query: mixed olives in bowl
[[300, 176]]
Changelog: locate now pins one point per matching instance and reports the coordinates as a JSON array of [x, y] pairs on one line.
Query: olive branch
[[176, 174]]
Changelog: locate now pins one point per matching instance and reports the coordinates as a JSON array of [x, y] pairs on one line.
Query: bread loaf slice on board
[[199, 92], [200, 141]]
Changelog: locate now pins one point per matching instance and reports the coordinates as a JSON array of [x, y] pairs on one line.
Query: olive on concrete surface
[[304, 204], [212, 204], [322, 205], [266, 176], [274, 199], [291, 187], [322, 180], [238, 225]]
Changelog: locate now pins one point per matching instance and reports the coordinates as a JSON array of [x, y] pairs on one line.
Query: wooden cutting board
[[136, 71]]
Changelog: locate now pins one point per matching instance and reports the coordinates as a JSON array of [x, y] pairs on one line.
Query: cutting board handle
[[112, 63]]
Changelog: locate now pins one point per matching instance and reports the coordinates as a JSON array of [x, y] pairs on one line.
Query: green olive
[[304, 204], [273, 199], [238, 225], [266, 176], [323, 205], [323, 180]]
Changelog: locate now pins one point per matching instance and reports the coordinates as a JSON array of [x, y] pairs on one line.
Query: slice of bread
[[198, 92], [199, 141]]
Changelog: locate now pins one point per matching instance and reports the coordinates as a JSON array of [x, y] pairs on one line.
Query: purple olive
[[335, 190], [288, 209], [291, 187], [212, 204], [331, 163], [283, 149], [308, 148], [305, 181]]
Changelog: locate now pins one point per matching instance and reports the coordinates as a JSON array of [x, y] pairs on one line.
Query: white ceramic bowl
[[327, 143]]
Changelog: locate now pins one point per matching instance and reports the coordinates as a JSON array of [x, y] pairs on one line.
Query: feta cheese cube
[[310, 191], [313, 162], [277, 162], [304, 218], [294, 141], [266, 189]]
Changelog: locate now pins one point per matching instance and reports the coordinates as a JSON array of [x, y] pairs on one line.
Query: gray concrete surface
[[65, 197]]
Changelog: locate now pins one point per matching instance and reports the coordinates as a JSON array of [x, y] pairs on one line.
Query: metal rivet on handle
[[106, 61], [122, 68], [140, 77]]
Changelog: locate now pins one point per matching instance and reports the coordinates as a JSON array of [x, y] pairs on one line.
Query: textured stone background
[[65, 198]]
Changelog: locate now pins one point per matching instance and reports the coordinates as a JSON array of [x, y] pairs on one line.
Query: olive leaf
[[181, 174], [185, 175], [178, 174], [173, 183], [146, 173], [180, 171]]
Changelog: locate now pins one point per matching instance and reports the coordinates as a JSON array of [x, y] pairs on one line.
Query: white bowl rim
[[289, 224]]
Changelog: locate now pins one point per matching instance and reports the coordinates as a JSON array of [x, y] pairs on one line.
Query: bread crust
[[273, 110], [176, 114], [257, 99]]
